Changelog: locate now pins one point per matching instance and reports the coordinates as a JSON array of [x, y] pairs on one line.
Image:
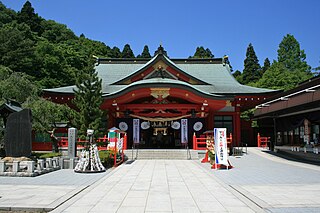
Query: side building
[[292, 116], [162, 93]]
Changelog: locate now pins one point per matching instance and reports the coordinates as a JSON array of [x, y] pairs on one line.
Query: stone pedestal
[[40, 164], [2, 166], [30, 166], [15, 166]]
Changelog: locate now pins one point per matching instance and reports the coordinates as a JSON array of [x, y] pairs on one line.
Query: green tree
[[116, 53], [290, 69], [53, 69], [291, 56], [5, 72], [236, 74], [46, 116], [266, 66], [88, 99], [251, 71], [89, 47], [28, 16], [55, 32], [279, 77], [127, 52], [17, 47], [145, 53], [201, 52], [6, 15], [17, 87]]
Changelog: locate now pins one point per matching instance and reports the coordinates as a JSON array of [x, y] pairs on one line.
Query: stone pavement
[[157, 186], [260, 182], [44, 192], [274, 184]]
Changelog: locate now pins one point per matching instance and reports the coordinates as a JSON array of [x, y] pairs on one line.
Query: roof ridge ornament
[[160, 51]]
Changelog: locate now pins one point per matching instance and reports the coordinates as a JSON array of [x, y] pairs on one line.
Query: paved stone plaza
[[260, 182]]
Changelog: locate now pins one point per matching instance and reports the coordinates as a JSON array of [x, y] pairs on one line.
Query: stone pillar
[[61, 162], [30, 166], [2, 166], [15, 166], [71, 164], [40, 164], [72, 145], [55, 162], [49, 162]]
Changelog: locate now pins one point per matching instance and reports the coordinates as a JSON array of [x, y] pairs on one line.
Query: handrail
[[201, 143], [81, 143], [263, 141]]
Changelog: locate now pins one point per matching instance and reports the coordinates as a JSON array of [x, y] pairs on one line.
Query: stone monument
[[18, 140], [72, 142]]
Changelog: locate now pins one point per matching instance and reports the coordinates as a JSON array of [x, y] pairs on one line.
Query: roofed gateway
[[159, 93]]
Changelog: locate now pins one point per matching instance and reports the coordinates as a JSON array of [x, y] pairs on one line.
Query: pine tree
[[202, 53], [209, 53], [127, 52], [145, 53], [251, 72], [88, 98], [266, 66], [290, 69], [116, 53], [291, 56], [28, 16]]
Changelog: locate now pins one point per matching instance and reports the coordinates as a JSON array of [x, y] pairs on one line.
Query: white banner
[[184, 131], [120, 143], [220, 145], [136, 130]]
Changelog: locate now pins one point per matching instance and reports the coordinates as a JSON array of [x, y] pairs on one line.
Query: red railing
[[201, 143], [63, 142], [82, 143], [263, 141]]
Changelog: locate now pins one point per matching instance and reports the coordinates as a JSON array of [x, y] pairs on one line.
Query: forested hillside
[[49, 54]]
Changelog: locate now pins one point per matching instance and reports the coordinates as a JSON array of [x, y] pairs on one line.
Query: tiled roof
[[204, 89], [216, 77]]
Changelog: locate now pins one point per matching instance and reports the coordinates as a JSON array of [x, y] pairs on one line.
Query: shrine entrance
[[152, 134], [160, 137], [165, 134]]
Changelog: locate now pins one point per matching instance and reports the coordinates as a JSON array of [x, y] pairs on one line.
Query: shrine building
[[163, 98]]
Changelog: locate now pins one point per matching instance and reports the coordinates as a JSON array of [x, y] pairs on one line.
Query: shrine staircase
[[166, 154]]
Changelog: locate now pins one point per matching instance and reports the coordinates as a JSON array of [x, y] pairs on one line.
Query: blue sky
[[225, 27]]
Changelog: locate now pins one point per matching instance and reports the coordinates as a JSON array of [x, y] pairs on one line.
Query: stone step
[[180, 154]]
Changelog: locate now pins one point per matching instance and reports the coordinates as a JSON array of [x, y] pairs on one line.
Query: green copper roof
[[215, 75]]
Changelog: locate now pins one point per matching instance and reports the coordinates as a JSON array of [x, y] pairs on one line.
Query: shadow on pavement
[[298, 157]]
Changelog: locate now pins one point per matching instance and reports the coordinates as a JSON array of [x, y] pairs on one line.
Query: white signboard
[[220, 146], [184, 131], [136, 130]]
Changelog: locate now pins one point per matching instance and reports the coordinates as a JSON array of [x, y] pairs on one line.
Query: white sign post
[[221, 150]]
